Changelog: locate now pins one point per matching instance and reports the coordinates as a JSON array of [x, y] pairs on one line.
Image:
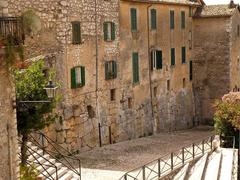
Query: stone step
[[35, 155], [67, 176], [46, 165], [42, 159], [182, 173], [51, 171], [197, 170], [213, 166], [61, 172], [227, 164], [53, 161]]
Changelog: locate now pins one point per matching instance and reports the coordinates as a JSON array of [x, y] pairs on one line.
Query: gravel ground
[[128, 155]]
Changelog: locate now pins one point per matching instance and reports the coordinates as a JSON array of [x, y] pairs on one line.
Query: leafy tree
[[30, 85], [227, 115]]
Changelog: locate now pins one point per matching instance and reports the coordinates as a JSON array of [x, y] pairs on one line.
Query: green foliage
[[28, 172], [30, 85]]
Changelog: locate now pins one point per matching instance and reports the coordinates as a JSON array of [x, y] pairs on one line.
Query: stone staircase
[[47, 166], [217, 165]]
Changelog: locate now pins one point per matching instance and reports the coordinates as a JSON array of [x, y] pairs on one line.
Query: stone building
[[216, 55], [9, 163], [131, 68]]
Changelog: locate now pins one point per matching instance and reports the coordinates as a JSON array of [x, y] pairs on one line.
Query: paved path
[[113, 160]]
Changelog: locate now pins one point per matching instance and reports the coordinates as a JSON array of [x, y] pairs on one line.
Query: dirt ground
[[131, 154]]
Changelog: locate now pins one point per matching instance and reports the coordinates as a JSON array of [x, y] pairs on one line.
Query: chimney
[[232, 4]]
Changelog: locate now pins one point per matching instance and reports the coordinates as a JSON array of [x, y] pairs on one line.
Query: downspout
[[149, 70], [96, 90]]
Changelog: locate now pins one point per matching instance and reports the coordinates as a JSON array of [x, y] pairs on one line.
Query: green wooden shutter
[[106, 71], [73, 79], [172, 56], [83, 75], [135, 68], [114, 64], [76, 33], [133, 19], [190, 71], [105, 31], [113, 32], [153, 19], [159, 59], [151, 61], [183, 55], [183, 19], [171, 19]]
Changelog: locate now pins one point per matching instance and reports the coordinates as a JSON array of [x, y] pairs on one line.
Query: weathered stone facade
[[9, 163], [216, 59]]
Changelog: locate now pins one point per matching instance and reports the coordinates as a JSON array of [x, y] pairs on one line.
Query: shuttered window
[[153, 19], [133, 12], [156, 59], [110, 70], [172, 56], [109, 31], [171, 19], [183, 19], [190, 71], [183, 55], [77, 77], [76, 32], [135, 66]]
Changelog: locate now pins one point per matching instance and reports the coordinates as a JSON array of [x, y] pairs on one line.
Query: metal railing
[[170, 162], [57, 152], [11, 29], [35, 154]]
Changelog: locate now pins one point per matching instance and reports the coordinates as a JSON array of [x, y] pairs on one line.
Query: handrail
[[57, 152], [166, 164], [32, 152]]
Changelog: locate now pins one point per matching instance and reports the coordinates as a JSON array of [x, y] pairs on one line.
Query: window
[[77, 77], [190, 39], [129, 103], [171, 19], [153, 19], [135, 66], [133, 12], [190, 11], [155, 91], [91, 113], [109, 31], [110, 70], [172, 56], [113, 94], [76, 32], [184, 82], [168, 85], [238, 30], [190, 70], [183, 55], [156, 59], [183, 19]]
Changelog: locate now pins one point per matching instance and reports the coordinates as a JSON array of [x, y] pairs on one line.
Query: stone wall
[[211, 65], [9, 163]]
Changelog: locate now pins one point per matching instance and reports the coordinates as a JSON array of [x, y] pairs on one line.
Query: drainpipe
[[149, 69], [96, 90]]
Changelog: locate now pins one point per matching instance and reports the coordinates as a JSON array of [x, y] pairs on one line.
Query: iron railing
[[11, 30], [57, 152], [35, 154], [170, 162]]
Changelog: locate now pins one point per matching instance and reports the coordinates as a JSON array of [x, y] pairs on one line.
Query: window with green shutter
[[172, 56], [135, 66], [76, 32], [110, 70], [109, 31], [77, 77], [133, 12], [153, 19], [183, 19], [183, 55], [190, 11], [190, 70], [171, 19], [156, 59]]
